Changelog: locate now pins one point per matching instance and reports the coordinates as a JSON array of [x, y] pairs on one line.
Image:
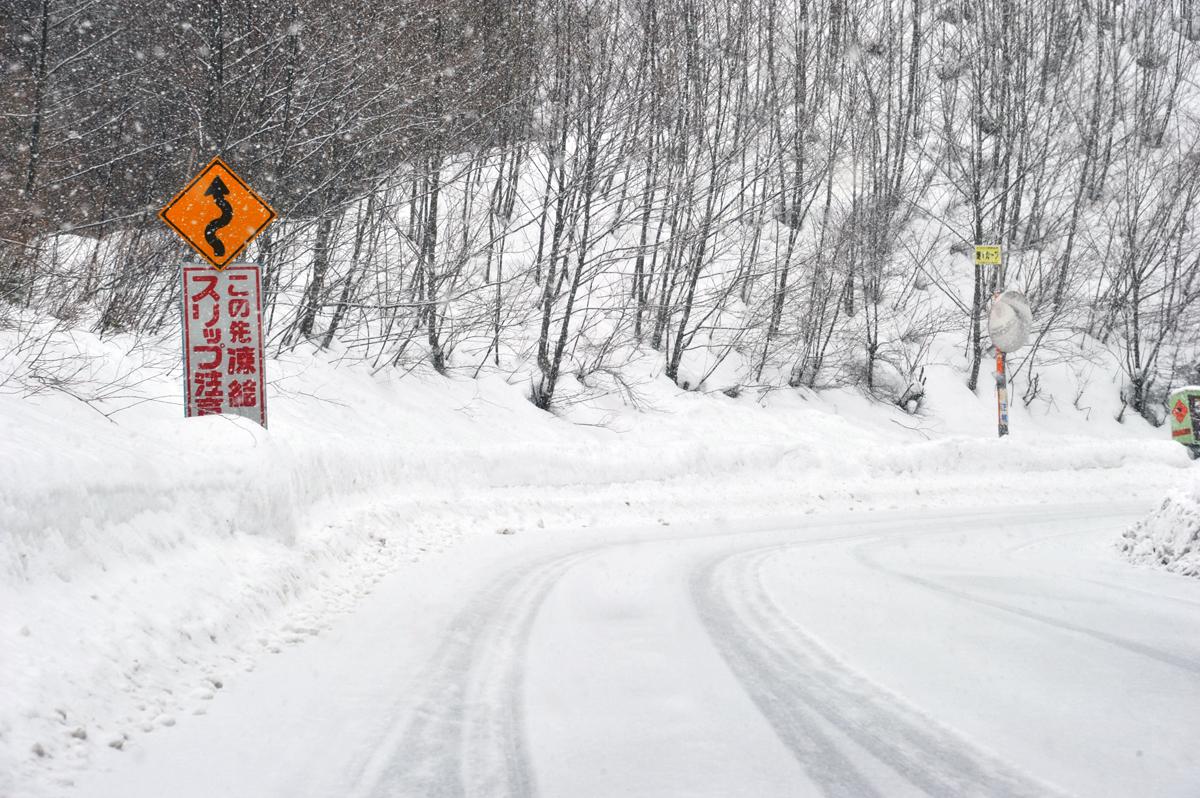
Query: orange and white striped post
[[1001, 395], [989, 255]]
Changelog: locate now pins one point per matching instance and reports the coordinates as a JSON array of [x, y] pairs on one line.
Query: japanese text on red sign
[[223, 353]]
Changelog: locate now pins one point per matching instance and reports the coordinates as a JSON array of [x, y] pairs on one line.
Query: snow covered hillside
[[746, 194]]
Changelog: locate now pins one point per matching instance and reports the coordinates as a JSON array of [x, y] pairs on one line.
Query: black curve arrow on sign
[[217, 190]]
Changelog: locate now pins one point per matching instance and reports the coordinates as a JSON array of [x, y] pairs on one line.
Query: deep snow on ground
[[150, 562], [911, 652]]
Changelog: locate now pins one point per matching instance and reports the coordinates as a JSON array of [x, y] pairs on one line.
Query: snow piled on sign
[[1170, 536]]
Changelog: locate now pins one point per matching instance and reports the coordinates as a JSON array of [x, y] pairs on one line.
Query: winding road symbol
[[204, 214], [217, 190]]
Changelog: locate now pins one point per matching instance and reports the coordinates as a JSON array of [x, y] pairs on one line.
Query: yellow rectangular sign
[[987, 256]]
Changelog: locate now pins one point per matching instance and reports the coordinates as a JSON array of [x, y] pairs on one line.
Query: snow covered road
[[889, 653]]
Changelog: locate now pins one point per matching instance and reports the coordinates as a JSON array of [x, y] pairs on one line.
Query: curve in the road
[[1188, 664], [806, 692], [466, 735]]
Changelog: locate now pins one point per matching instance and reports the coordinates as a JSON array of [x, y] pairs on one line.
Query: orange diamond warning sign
[[1180, 411], [217, 214]]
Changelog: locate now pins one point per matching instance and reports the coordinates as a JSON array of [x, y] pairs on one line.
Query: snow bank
[[145, 559], [1170, 536]]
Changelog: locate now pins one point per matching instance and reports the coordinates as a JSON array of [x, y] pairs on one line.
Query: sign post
[[1001, 395], [989, 255], [217, 214], [1009, 321]]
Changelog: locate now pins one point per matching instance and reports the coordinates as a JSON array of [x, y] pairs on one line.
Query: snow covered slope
[[146, 559]]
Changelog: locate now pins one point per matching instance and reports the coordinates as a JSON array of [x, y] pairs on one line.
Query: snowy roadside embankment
[[1170, 536], [145, 559]]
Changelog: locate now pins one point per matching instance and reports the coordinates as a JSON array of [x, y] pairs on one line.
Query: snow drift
[[1170, 536], [146, 559]]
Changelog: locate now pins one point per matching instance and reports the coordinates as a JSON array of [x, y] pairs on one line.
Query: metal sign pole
[[1009, 322], [1001, 395], [990, 256]]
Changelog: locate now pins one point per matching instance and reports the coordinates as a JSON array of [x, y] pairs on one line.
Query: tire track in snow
[[1127, 589], [466, 735], [1134, 591], [803, 689], [1182, 662]]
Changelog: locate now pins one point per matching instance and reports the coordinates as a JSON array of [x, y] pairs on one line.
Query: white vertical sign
[[223, 342]]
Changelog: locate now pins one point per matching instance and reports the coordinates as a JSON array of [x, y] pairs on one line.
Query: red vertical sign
[[223, 342]]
